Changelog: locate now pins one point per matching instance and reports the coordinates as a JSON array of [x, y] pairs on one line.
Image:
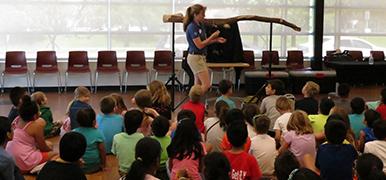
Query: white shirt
[[251, 131], [378, 148], [281, 122], [263, 148], [215, 135]]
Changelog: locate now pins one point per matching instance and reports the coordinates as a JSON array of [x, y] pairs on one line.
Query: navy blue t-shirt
[[74, 108], [336, 161], [192, 32]]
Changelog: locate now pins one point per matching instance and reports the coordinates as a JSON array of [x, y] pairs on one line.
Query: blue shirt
[[91, 156], [336, 161], [192, 32], [8, 168], [369, 134], [356, 122], [109, 125], [229, 101], [74, 108]]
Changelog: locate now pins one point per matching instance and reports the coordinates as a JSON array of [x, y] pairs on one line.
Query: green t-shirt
[[164, 141], [91, 156], [317, 122], [46, 114], [124, 148]]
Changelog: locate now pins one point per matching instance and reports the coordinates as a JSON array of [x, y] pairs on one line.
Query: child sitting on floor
[[15, 96], [225, 88], [197, 107], [81, 100]]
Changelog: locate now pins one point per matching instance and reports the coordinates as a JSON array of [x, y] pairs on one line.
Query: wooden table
[[227, 65]]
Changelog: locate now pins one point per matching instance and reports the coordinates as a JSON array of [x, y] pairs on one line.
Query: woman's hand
[[221, 40]]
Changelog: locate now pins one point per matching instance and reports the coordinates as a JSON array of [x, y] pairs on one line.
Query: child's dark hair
[[234, 115], [261, 124], [86, 117], [343, 90], [371, 116], [133, 120], [147, 156], [369, 167], [335, 131], [379, 129], [72, 146], [277, 85], [16, 94], [383, 96], [5, 127], [221, 110], [143, 98], [326, 105], [107, 104], [224, 86], [160, 126], [217, 166], [186, 113], [285, 163], [237, 134], [303, 174], [357, 105], [28, 108], [186, 141], [250, 111]]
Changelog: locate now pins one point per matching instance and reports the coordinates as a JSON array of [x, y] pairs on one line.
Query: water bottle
[[371, 59]]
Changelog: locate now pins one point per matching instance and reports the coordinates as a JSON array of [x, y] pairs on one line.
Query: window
[[121, 25]]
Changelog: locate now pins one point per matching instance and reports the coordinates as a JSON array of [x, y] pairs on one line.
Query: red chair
[[77, 63], [135, 63], [356, 55], [265, 58], [163, 62], [107, 62], [295, 59], [15, 64], [378, 55], [46, 63], [249, 57]]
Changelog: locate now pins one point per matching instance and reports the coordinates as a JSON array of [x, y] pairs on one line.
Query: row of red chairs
[[78, 62]]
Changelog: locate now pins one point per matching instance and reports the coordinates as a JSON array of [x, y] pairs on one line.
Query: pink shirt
[[189, 164], [300, 145], [23, 148]]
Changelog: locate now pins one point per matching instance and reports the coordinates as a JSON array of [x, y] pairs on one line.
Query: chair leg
[[59, 83], [2, 82], [91, 84], [126, 79], [28, 77], [156, 75], [96, 82], [148, 76], [211, 81], [33, 81], [120, 81], [65, 81], [183, 78]]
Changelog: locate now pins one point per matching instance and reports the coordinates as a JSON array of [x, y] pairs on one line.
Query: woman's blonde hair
[[39, 97], [311, 88], [299, 123], [159, 93], [190, 12]]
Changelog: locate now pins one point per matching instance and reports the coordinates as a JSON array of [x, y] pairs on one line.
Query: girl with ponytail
[[28, 146], [147, 159], [198, 41]]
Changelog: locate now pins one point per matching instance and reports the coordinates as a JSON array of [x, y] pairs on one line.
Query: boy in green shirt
[[160, 127]]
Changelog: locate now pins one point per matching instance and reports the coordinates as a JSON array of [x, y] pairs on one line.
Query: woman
[[198, 41]]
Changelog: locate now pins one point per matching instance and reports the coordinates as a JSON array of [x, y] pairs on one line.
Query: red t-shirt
[[226, 145], [243, 166], [382, 110], [199, 110]]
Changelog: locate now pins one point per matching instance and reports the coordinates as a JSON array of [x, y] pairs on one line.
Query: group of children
[[283, 138]]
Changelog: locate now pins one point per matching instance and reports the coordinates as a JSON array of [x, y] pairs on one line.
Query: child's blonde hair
[[311, 88], [143, 98], [284, 104], [159, 93], [195, 93], [299, 123], [39, 97], [81, 91]]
